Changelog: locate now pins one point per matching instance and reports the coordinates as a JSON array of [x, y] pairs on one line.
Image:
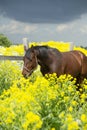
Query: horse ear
[[32, 49], [32, 46], [35, 51]]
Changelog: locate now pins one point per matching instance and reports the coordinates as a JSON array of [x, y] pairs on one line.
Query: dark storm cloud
[[44, 11]]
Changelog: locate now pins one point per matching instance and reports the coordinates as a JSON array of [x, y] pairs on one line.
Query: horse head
[[30, 62]]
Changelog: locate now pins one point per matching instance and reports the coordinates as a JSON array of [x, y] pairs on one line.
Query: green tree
[[4, 41]]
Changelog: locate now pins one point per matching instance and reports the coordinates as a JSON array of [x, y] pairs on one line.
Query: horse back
[[72, 61]]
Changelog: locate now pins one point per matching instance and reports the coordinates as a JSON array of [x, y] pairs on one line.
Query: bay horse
[[52, 60]]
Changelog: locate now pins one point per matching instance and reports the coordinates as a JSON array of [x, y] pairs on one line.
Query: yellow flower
[[85, 127], [80, 89], [33, 118], [8, 120], [73, 126], [61, 115], [85, 86], [70, 88], [70, 109], [83, 96], [83, 118], [74, 103], [62, 94], [53, 129], [69, 118], [66, 98]]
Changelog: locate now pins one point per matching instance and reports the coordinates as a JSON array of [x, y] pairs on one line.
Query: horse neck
[[45, 56], [42, 56]]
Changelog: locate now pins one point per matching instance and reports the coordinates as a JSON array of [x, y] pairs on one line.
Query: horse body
[[53, 61], [72, 61]]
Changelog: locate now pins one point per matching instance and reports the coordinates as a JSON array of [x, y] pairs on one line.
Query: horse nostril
[[24, 75]]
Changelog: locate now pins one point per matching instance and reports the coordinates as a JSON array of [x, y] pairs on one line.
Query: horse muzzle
[[26, 74]]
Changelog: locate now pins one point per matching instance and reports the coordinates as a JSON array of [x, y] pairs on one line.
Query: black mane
[[43, 51]]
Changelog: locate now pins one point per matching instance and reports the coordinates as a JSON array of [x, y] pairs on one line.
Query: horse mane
[[43, 51]]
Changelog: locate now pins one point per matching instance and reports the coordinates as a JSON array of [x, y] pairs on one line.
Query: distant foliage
[[4, 41], [86, 48]]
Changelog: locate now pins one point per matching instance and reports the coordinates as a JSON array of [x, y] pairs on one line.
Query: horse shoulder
[[57, 63]]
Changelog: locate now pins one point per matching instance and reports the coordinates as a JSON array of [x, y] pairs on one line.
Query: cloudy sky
[[44, 20]]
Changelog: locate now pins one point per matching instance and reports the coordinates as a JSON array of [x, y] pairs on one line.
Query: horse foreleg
[[80, 79]]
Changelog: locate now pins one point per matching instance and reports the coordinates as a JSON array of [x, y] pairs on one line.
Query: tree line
[[4, 41]]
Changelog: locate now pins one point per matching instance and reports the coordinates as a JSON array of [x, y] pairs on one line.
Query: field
[[40, 103]]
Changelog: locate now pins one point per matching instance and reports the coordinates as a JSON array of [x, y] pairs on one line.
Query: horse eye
[[30, 59]]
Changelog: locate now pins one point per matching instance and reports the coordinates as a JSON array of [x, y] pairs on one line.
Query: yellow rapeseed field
[[40, 103]]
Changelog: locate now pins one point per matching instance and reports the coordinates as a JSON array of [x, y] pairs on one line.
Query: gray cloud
[[43, 11]]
